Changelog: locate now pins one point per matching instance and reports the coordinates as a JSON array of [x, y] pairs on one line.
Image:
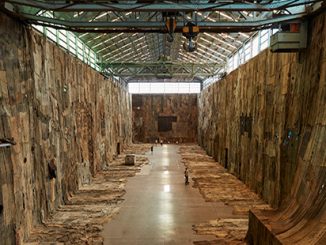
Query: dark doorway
[[1, 203], [165, 123], [118, 148], [226, 158]]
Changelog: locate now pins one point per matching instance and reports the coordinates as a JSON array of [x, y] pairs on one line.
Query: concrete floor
[[159, 208]]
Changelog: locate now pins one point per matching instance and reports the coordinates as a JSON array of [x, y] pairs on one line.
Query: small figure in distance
[[161, 141], [186, 176], [156, 141], [152, 149]]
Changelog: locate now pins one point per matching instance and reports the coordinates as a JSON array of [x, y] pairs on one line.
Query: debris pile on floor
[[231, 230], [81, 220], [216, 184]]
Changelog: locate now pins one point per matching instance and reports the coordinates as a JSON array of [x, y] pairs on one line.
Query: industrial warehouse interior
[[143, 122]]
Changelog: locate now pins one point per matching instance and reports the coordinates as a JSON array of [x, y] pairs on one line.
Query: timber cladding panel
[[66, 120], [270, 115], [168, 117]]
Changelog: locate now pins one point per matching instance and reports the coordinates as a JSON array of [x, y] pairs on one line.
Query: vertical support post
[[57, 36], [259, 41], [76, 48], [251, 46], [269, 36], [44, 31], [83, 52], [67, 40]]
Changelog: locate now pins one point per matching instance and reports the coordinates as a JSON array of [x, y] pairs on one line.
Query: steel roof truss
[[166, 7], [160, 68]]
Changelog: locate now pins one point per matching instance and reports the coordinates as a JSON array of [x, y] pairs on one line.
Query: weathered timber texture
[[168, 117], [66, 120], [217, 185], [266, 122], [81, 219]]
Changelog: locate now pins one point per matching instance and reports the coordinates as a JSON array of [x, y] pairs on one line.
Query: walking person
[[186, 176]]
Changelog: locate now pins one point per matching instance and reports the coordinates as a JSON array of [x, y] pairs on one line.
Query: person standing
[[186, 176]]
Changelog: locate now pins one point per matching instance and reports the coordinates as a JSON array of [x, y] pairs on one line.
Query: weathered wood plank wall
[[57, 109], [148, 108], [266, 123]]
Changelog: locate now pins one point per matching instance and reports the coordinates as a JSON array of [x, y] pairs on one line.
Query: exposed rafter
[[130, 37], [160, 69], [156, 26], [96, 6]]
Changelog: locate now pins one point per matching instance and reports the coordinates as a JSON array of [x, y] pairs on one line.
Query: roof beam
[[173, 69], [155, 26], [162, 80], [166, 7], [221, 40], [215, 45]]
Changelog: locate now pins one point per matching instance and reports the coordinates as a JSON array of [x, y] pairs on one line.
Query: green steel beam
[[154, 26], [163, 80], [63, 6], [161, 69]]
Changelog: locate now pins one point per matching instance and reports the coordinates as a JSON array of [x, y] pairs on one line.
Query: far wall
[[171, 118]]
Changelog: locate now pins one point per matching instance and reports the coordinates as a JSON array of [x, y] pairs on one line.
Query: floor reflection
[[166, 188]]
